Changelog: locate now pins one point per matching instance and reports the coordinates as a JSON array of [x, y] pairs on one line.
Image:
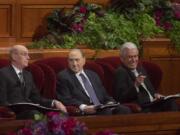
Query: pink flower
[[83, 10], [25, 131], [69, 125], [158, 13], [167, 26], [77, 27], [177, 14]]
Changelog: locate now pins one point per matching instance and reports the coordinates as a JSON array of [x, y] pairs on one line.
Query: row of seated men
[[80, 87]]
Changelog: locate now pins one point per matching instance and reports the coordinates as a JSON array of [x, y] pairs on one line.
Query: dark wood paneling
[[134, 124], [6, 19]]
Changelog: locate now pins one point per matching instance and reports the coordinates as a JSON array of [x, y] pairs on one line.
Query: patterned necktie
[[90, 90]]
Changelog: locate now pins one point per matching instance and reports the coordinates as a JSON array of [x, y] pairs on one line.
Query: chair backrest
[[49, 87], [38, 75], [56, 63], [4, 62]]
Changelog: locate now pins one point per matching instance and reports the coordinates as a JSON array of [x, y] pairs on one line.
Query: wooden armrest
[[134, 107]]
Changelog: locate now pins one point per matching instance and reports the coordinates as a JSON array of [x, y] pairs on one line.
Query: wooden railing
[[167, 123]]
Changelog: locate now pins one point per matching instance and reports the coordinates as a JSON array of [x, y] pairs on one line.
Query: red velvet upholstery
[[93, 66], [38, 75], [154, 72], [108, 76], [56, 63], [4, 62], [49, 87]]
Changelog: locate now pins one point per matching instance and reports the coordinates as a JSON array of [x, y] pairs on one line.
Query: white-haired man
[[133, 85]]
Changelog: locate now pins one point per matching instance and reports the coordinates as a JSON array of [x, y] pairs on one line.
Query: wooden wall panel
[[21, 18], [6, 19], [34, 16], [161, 52]]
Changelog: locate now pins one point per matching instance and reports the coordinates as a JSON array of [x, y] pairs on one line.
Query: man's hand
[[139, 80], [89, 109], [158, 96], [59, 105]]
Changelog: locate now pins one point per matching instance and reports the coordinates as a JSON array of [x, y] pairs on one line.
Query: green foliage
[[146, 26], [131, 8], [175, 34]]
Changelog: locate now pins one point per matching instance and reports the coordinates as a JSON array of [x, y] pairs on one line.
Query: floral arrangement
[[165, 12], [107, 28], [54, 123]]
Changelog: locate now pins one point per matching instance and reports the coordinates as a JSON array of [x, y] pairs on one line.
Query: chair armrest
[[6, 113], [135, 108], [73, 110]]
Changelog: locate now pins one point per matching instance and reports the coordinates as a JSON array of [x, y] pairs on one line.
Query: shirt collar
[[17, 70]]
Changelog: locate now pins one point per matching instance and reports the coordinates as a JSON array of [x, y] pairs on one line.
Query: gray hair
[[125, 46]]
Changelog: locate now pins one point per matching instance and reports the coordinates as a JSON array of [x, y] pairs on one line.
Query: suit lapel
[[13, 74], [77, 83]]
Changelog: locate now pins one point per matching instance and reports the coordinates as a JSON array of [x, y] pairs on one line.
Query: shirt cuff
[[82, 107], [137, 89], [53, 103]]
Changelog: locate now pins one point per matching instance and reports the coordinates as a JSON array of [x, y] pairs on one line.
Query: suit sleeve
[[3, 90], [63, 89], [125, 90]]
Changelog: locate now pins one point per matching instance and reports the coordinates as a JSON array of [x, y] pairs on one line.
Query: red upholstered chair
[[38, 75], [4, 62], [154, 72], [49, 87], [51, 67], [56, 63]]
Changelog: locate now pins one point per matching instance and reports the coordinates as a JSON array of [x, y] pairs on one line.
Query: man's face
[[76, 61], [21, 57], [131, 58]]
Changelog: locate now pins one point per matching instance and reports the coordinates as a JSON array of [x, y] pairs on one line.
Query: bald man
[[11, 88]]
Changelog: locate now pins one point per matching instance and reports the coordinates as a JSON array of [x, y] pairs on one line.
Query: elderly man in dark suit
[[133, 85], [83, 88], [17, 85]]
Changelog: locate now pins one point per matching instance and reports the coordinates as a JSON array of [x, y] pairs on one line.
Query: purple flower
[[40, 128]]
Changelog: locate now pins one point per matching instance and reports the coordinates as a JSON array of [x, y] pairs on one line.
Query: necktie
[[21, 78], [90, 90], [144, 94]]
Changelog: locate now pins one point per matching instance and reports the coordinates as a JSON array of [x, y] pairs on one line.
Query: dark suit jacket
[[71, 92], [124, 85], [11, 90]]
